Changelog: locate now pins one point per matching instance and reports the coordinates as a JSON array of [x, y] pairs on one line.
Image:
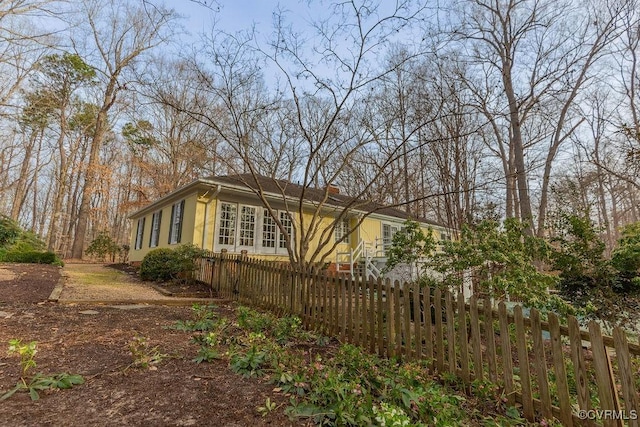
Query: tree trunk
[[77, 248]]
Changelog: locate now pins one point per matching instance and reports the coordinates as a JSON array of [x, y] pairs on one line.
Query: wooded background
[[458, 112]]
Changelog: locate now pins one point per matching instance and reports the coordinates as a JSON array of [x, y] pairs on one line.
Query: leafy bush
[[158, 265], [626, 259], [9, 231], [18, 245], [33, 257], [164, 264], [102, 246], [501, 259], [409, 245]]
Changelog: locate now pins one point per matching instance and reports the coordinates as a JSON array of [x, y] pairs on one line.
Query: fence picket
[[505, 352], [343, 308], [626, 375], [464, 341], [601, 365], [371, 288], [399, 319], [562, 387], [476, 344], [523, 364], [428, 329], [379, 317], [417, 320], [406, 308], [451, 331], [439, 334], [540, 364], [490, 339]]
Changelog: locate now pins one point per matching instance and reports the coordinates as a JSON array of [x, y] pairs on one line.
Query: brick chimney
[[333, 189]]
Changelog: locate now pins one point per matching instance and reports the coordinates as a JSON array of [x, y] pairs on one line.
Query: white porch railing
[[363, 255]]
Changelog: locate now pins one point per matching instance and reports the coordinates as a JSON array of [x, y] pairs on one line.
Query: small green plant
[[389, 415], [250, 364], [144, 356], [39, 382], [204, 319], [254, 321], [285, 328], [268, 407], [207, 354]]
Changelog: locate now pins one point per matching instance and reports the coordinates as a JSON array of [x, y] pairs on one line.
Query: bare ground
[[94, 340]]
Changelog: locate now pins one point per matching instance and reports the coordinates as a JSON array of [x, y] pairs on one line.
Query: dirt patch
[[96, 345], [95, 282], [6, 275], [30, 282]]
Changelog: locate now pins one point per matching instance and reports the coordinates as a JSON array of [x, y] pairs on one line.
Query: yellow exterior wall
[[199, 228], [188, 228]]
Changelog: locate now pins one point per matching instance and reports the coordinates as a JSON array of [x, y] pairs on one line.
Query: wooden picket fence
[[578, 376]]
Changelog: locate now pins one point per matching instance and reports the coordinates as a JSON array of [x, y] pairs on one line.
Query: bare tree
[[322, 84], [542, 53], [120, 34]]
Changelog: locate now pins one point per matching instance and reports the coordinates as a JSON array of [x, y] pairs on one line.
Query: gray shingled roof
[[281, 187]]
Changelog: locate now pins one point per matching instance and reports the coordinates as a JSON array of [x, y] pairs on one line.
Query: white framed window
[[252, 228], [154, 238], [269, 230], [388, 231], [247, 227], [175, 226], [342, 232], [139, 233], [227, 225], [287, 224]]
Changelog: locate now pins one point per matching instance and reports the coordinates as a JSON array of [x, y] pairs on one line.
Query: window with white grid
[[342, 231], [269, 230], [227, 230], [287, 224], [247, 225]]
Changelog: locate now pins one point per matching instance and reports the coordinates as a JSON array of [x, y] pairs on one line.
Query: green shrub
[[102, 246], [158, 265], [14, 238], [9, 231], [164, 264], [33, 257]]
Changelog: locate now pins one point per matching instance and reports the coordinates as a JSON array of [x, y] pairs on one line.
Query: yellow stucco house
[[225, 213]]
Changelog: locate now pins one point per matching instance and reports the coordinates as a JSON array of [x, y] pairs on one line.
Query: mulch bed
[[178, 393]]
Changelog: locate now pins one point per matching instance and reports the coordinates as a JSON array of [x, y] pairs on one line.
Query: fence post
[[602, 366]]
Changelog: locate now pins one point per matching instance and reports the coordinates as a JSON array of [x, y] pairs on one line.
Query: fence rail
[[548, 368]]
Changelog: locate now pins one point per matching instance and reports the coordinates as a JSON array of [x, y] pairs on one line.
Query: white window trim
[[139, 234], [342, 231], [394, 228], [154, 235], [176, 222], [257, 247], [216, 238], [238, 227]]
